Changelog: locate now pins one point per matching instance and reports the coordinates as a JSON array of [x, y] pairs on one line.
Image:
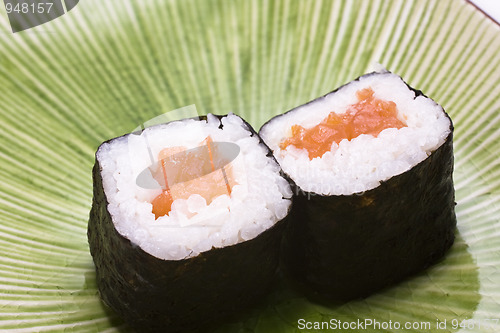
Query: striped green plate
[[107, 66]]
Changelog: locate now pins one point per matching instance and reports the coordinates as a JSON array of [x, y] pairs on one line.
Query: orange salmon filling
[[369, 115], [190, 173]]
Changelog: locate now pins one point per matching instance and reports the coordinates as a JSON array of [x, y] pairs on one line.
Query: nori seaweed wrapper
[[156, 295], [342, 247]]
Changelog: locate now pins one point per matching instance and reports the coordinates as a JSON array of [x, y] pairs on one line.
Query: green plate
[[106, 67]]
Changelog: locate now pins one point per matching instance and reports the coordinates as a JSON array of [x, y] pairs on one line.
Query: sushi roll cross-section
[[186, 222], [371, 165]]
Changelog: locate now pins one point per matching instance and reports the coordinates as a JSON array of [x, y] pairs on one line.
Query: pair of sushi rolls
[[371, 164], [186, 222]]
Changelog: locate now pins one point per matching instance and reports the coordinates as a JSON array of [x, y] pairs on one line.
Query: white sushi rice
[[362, 163], [260, 198]]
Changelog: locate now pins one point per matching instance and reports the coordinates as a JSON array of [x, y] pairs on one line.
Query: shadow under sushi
[[446, 291]]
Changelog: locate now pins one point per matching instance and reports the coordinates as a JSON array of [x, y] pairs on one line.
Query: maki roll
[[186, 222], [371, 164]]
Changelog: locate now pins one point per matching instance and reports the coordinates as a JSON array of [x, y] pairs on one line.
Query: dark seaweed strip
[[344, 247]]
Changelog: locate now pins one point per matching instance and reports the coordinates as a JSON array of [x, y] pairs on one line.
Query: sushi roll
[[371, 166], [186, 222]]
